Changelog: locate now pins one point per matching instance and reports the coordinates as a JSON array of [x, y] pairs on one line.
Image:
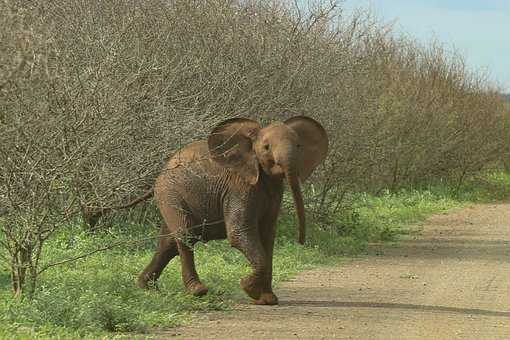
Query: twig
[[84, 255]]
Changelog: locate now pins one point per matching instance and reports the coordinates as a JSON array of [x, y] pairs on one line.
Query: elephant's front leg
[[257, 285], [267, 231]]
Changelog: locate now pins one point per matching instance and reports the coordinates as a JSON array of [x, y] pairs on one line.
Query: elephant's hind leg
[[180, 221], [166, 250], [189, 273]]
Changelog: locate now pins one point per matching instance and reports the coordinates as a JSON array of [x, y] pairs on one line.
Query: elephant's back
[[192, 153], [194, 156]]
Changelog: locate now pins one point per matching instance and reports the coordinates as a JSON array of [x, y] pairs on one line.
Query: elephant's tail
[[137, 200]]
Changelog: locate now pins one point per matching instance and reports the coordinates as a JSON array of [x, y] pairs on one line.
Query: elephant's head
[[292, 149]]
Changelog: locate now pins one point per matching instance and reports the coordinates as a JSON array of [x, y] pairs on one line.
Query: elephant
[[231, 186]]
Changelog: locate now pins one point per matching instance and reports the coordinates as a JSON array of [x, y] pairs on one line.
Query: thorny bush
[[94, 96]]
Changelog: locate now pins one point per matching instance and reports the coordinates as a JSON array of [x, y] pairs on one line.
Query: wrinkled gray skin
[[231, 186]]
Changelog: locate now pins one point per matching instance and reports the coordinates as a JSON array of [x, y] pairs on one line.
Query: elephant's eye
[[266, 146]]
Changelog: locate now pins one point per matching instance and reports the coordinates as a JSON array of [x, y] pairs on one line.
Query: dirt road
[[449, 281]]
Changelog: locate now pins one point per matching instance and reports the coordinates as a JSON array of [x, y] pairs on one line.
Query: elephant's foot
[[250, 286], [266, 299], [196, 288]]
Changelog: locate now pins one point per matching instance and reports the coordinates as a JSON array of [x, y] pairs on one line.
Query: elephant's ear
[[313, 142], [230, 144]]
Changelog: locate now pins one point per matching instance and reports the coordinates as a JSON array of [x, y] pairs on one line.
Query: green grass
[[97, 298]]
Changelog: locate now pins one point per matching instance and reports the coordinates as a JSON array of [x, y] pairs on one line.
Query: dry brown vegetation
[[94, 95]]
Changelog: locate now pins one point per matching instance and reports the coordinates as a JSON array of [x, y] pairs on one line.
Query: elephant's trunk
[[293, 181]]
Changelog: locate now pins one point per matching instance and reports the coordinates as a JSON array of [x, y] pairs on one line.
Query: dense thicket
[[94, 95]]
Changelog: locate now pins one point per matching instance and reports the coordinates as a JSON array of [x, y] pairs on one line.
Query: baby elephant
[[230, 186]]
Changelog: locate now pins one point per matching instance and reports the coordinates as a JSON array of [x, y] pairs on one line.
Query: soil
[[450, 280]]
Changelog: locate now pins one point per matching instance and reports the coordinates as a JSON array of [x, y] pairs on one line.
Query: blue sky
[[479, 29]]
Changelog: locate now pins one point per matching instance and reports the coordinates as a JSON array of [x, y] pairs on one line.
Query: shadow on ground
[[464, 247], [405, 306]]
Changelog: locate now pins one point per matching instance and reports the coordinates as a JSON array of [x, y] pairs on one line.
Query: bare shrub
[[96, 94]]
